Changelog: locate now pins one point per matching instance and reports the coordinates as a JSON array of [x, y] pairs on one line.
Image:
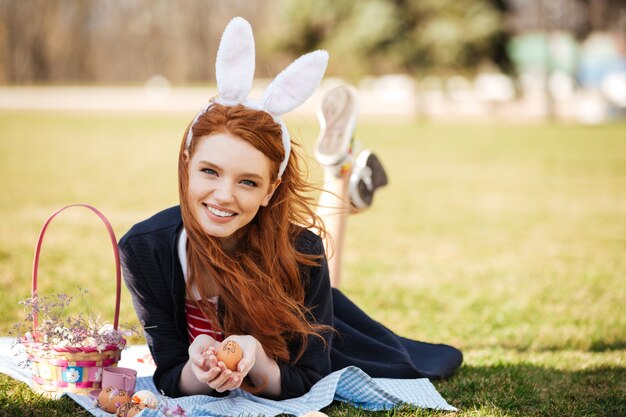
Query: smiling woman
[[239, 260]]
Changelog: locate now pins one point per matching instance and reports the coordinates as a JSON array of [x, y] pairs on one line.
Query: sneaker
[[368, 174], [337, 115]]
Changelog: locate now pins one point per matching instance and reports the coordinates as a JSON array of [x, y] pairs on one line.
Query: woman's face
[[229, 179]]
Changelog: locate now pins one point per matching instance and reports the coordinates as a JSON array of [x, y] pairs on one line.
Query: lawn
[[508, 242]]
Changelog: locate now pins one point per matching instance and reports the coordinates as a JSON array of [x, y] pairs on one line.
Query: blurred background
[[521, 60]]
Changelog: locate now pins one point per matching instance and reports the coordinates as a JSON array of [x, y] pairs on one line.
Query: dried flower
[[171, 410], [74, 331]]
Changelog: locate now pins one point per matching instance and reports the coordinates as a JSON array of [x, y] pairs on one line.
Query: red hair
[[259, 284]]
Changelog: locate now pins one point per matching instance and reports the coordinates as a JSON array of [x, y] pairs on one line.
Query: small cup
[[122, 378]]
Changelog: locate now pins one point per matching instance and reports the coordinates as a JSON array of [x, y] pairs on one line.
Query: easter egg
[[145, 398], [314, 414], [110, 398], [230, 353], [129, 409]]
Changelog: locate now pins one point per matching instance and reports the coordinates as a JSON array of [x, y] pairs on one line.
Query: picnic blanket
[[350, 385]]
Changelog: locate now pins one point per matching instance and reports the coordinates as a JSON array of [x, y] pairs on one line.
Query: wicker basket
[[67, 369]]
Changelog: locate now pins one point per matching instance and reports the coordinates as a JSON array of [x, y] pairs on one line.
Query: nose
[[224, 192]]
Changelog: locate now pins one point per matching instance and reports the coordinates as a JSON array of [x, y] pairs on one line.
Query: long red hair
[[259, 284]]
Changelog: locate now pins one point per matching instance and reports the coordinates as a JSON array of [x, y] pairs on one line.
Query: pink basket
[[61, 369]]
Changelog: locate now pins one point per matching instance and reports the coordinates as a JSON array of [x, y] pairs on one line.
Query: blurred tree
[[117, 41], [121, 41], [412, 36], [45, 40]]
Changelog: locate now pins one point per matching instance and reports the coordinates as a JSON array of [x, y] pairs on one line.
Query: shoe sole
[[361, 195], [337, 116]]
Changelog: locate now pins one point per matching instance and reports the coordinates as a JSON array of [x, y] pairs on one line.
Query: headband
[[234, 71]]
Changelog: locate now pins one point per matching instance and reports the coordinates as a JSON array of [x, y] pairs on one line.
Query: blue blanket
[[350, 385]]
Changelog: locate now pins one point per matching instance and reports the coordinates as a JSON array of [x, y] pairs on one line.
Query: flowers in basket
[[46, 327]]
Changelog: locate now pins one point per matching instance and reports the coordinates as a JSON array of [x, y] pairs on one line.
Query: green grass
[[506, 241]]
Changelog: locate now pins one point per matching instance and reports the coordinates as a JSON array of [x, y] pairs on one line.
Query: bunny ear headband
[[234, 68]]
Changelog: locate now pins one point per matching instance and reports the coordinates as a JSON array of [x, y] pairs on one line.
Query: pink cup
[[121, 378]]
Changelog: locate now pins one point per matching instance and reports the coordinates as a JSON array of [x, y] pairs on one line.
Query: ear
[[186, 156], [270, 193], [234, 65], [295, 84]]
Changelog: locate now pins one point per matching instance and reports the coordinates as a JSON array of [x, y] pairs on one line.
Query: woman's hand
[[198, 372], [262, 370], [249, 346], [218, 376], [222, 379], [207, 371], [201, 344]]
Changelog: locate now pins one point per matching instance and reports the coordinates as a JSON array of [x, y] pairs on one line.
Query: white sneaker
[[337, 115], [367, 175]]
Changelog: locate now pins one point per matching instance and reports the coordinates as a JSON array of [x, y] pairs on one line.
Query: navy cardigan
[[154, 277]]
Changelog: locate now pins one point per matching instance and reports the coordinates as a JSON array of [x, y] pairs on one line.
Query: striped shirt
[[197, 324]]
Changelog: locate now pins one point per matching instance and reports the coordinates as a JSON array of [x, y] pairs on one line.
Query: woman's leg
[[349, 182], [348, 190], [333, 208], [337, 115]]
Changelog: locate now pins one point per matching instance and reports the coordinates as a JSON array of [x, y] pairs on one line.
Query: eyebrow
[[244, 174]]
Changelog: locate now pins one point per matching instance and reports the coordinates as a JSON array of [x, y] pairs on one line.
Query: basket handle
[[116, 253]]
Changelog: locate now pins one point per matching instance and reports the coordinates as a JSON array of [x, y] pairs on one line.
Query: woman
[[237, 260]]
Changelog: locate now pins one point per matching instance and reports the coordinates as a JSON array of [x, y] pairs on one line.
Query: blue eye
[[249, 183], [209, 171]]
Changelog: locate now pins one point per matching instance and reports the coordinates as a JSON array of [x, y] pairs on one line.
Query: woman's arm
[[182, 369], [298, 377], [153, 302], [175, 370]]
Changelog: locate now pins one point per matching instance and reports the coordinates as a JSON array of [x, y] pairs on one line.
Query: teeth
[[219, 212]]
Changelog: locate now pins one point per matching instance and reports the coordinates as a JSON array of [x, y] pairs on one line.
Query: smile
[[219, 213]]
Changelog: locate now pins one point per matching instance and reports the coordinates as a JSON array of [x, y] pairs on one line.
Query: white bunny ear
[[295, 84], [234, 65]]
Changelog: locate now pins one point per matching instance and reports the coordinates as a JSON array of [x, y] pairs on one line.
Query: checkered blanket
[[350, 385]]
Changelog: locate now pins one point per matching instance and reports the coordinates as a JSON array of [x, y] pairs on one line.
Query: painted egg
[[230, 353], [110, 398], [129, 409], [145, 398], [314, 414]]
